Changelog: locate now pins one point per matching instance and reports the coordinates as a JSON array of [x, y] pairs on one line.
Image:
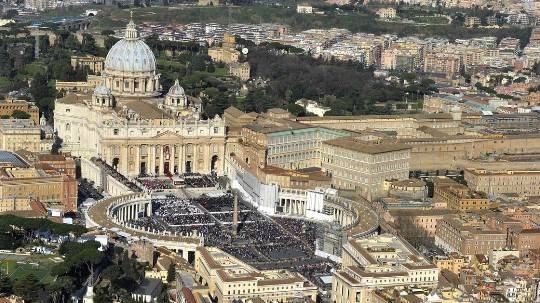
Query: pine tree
[[5, 284], [171, 273]]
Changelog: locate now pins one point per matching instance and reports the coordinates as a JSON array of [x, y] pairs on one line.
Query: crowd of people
[[180, 212], [155, 184], [87, 190], [116, 175], [199, 180], [305, 230], [261, 241]]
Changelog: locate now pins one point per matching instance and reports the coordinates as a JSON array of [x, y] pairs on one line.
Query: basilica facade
[[129, 123]]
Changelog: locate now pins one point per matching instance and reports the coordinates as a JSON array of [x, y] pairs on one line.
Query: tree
[[19, 114], [112, 273], [60, 288], [89, 257], [110, 41], [88, 44], [6, 63], [107, 32], [43, 94], [28, 288], [10, 13], [211, 68], [171, 273], [5, 284], [72, 42]]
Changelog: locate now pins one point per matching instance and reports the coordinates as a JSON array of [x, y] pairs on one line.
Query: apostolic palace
[[131, 125]]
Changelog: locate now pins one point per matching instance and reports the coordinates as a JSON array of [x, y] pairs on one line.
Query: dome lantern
[[131, 29]]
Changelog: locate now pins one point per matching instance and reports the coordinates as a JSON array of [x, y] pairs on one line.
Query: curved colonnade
[[356, 218], [115, 212]]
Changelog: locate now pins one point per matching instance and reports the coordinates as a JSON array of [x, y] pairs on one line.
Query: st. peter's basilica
[[131, 125]]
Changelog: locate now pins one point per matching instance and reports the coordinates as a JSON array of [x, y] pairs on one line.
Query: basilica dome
[[131, 54], [130, 67]]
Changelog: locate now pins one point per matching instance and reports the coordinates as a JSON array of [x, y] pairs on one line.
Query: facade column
[[185, 254], [137, 160], [161, 160], [149, 209], [152, 159], [182, 159], [194, 164], [288, 201], [123, 167]]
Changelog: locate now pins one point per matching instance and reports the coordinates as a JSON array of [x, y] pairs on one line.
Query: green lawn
[[221, 71], [17, 266], [430, 19], [4, 82], [166, 63], [35, 68]]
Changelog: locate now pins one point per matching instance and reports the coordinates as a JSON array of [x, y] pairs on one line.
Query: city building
[[442, 64], [210, 2], [417, 225], [304, 9], [364, 165], [227, 53], [452, 262], [93, 63], [471, 21], [230, 279], [240, 70], [63, 164], [496, 182], [18, 134], [21, 181], [383, 261], [10, 106], [387, 13], [468, 234], [135, 129], [413, 189], [313, 107], [276, 140], [527, 240], [460, 197]]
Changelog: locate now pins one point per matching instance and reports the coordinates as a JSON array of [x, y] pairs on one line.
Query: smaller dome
[[102, 90], [176, 90]]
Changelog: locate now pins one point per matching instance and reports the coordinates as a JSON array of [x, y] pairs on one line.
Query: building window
[[116, 131]]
